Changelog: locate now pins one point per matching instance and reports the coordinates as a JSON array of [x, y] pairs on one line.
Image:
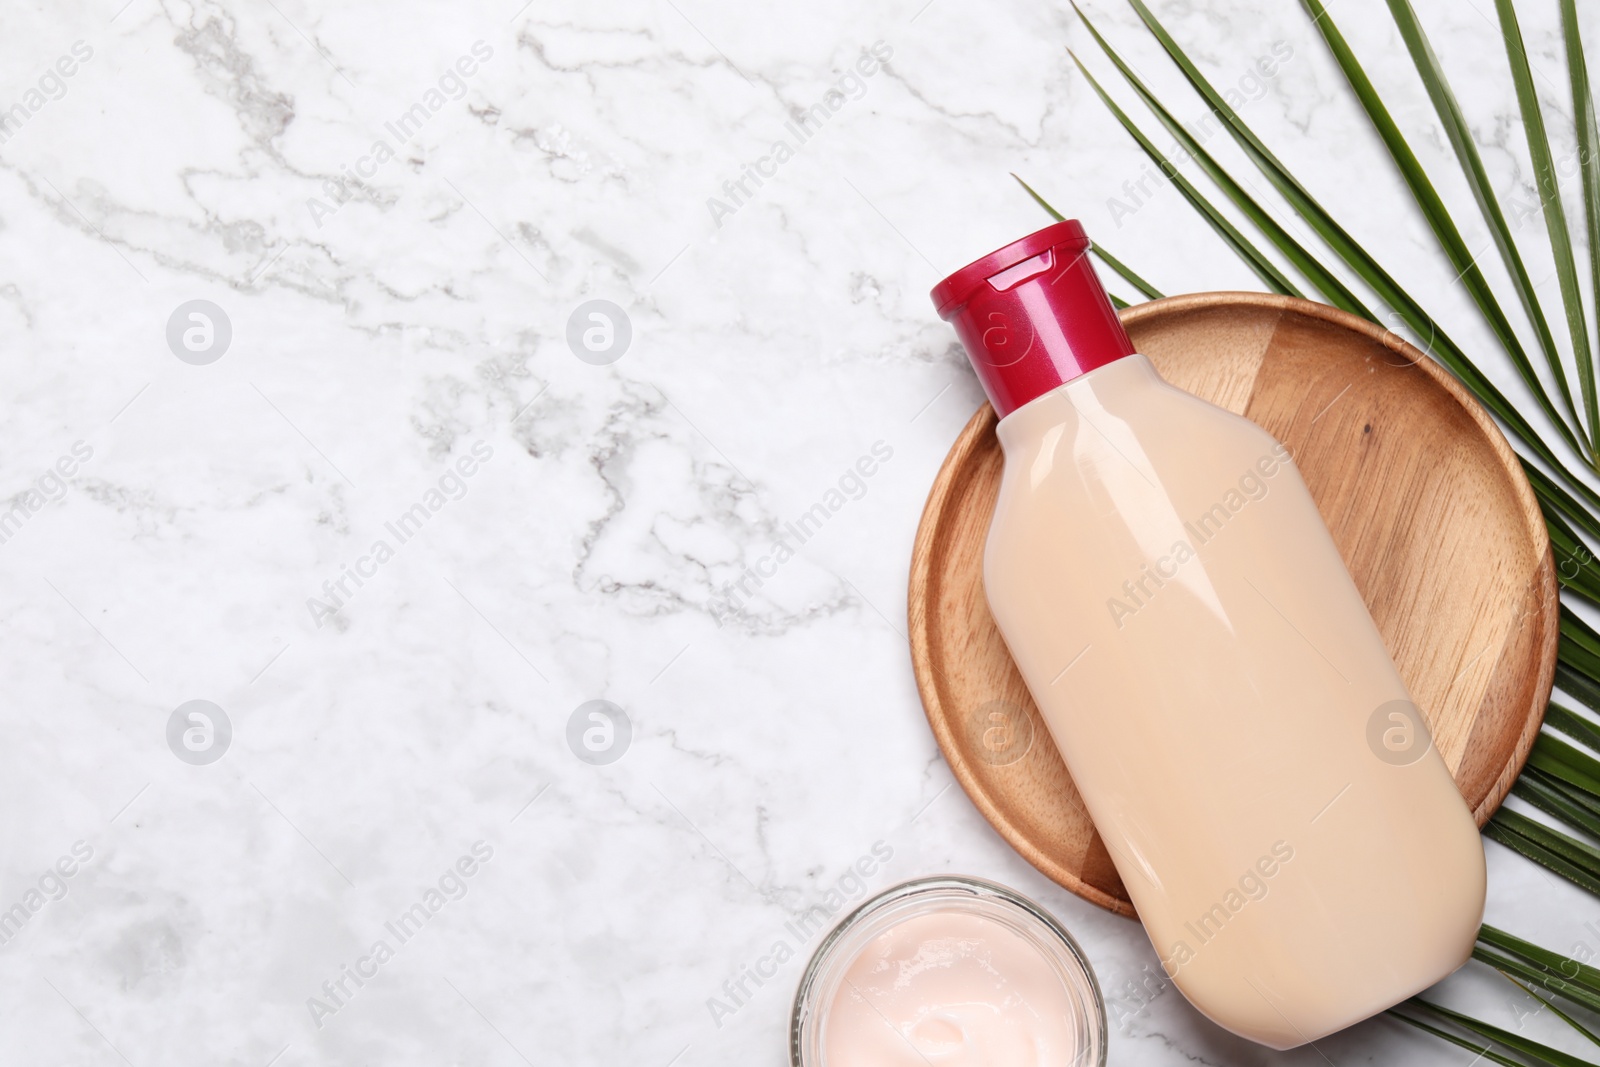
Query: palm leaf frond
[[1555, 216], [1513, 1042], [1264, 268], [1434, 211], [1460, 135], [1588, 138], [1325, 281], [1423, 325], [1150, 292]]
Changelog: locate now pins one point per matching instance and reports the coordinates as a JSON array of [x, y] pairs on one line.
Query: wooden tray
[[1429, 507]]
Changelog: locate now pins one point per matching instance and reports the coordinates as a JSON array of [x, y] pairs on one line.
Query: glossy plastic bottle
[[1293, 843]]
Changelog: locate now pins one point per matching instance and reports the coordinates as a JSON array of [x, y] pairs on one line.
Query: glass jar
[[820, 983]]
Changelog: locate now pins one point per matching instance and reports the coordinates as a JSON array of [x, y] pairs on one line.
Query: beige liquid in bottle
[[1294, 845]]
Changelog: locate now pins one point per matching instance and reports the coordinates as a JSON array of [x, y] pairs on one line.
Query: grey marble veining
[[397, 209]]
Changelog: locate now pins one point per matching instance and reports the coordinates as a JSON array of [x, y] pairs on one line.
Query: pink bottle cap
[[1032, 315]]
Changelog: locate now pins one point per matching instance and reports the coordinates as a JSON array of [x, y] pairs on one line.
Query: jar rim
[[1079, 982]]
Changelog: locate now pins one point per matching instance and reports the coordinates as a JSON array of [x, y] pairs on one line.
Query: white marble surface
[[378, 337]]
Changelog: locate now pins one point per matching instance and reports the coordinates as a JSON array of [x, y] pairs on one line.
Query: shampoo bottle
[[1294, 844]]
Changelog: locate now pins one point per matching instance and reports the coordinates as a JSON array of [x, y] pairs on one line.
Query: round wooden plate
[[1428, 504]]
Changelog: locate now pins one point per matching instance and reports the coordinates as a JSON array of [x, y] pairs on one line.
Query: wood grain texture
[[1426, 501]]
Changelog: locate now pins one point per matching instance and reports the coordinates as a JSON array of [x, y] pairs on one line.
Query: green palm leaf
[[1455, 126], [1547, 976], [1117, 265], [1553, 1006], [1485, 1052], [1504, 1038], [1577, 982], [1580, 643], [1325, 280], [1576, 799], [1555, 217], [1538, 853], [1553, 495], [1575, 564], [1427, 198], [1269, 274], [1578, 685], [1149, 291], [1566, 762], [1588, 137], [1573, 725], [1548, 795], [1578, 854], [1354, 256]]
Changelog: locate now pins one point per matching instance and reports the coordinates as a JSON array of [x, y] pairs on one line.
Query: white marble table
[[396, 209]]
